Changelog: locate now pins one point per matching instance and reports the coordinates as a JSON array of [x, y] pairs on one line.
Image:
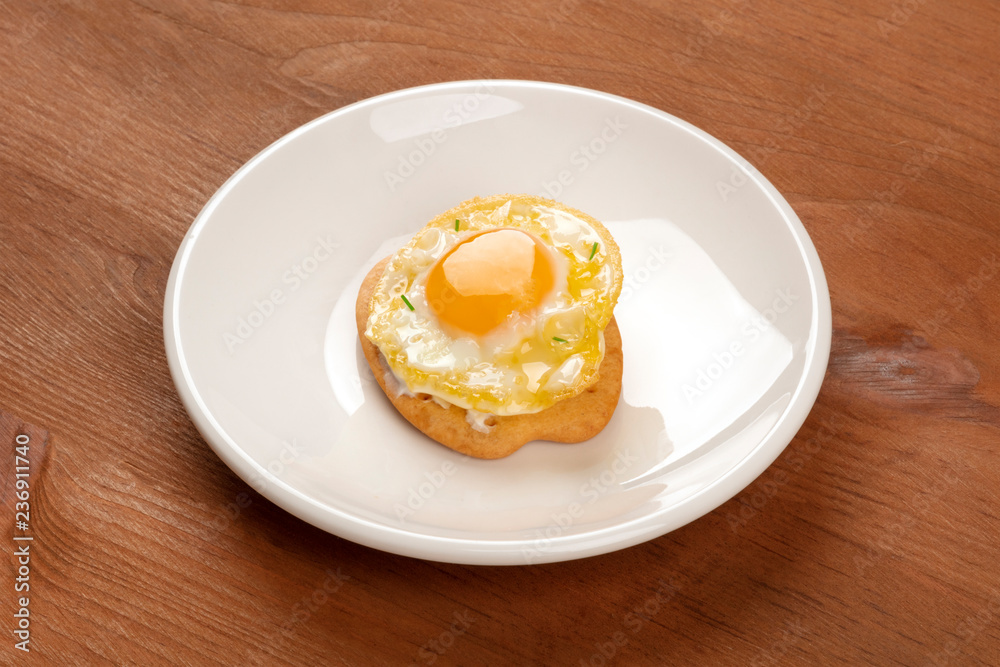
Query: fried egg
[[498, 305]]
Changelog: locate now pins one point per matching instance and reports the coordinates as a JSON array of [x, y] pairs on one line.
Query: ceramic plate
[[725, 318]]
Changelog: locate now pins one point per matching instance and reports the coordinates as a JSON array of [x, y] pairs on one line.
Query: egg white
[[533, 360]]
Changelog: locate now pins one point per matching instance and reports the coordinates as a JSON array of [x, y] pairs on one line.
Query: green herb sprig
[[406, 301], [593, 251]]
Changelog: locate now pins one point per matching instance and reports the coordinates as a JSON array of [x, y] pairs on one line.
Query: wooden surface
[[872, 540]]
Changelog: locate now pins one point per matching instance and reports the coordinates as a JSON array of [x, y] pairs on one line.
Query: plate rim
[[400, 541]]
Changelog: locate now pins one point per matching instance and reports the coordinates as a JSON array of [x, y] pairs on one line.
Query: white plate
[[725, 319]]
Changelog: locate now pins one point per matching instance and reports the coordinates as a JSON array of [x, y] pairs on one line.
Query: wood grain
[[872, 540]]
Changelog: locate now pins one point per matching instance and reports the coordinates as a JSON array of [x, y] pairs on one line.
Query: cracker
[[571, 420]]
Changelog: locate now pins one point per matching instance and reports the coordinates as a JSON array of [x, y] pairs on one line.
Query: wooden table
[[872, 540]]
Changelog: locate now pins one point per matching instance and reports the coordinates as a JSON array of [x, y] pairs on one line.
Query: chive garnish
[[406, 301], [456, 224], [561, 340], [593, 251]]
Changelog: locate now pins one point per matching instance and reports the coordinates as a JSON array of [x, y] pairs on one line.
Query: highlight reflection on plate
[[725, 319]]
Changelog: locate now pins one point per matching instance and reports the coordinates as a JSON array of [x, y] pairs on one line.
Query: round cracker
[[572, 420]]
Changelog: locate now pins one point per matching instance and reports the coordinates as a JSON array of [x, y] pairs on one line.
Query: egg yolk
[[508, 283]]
